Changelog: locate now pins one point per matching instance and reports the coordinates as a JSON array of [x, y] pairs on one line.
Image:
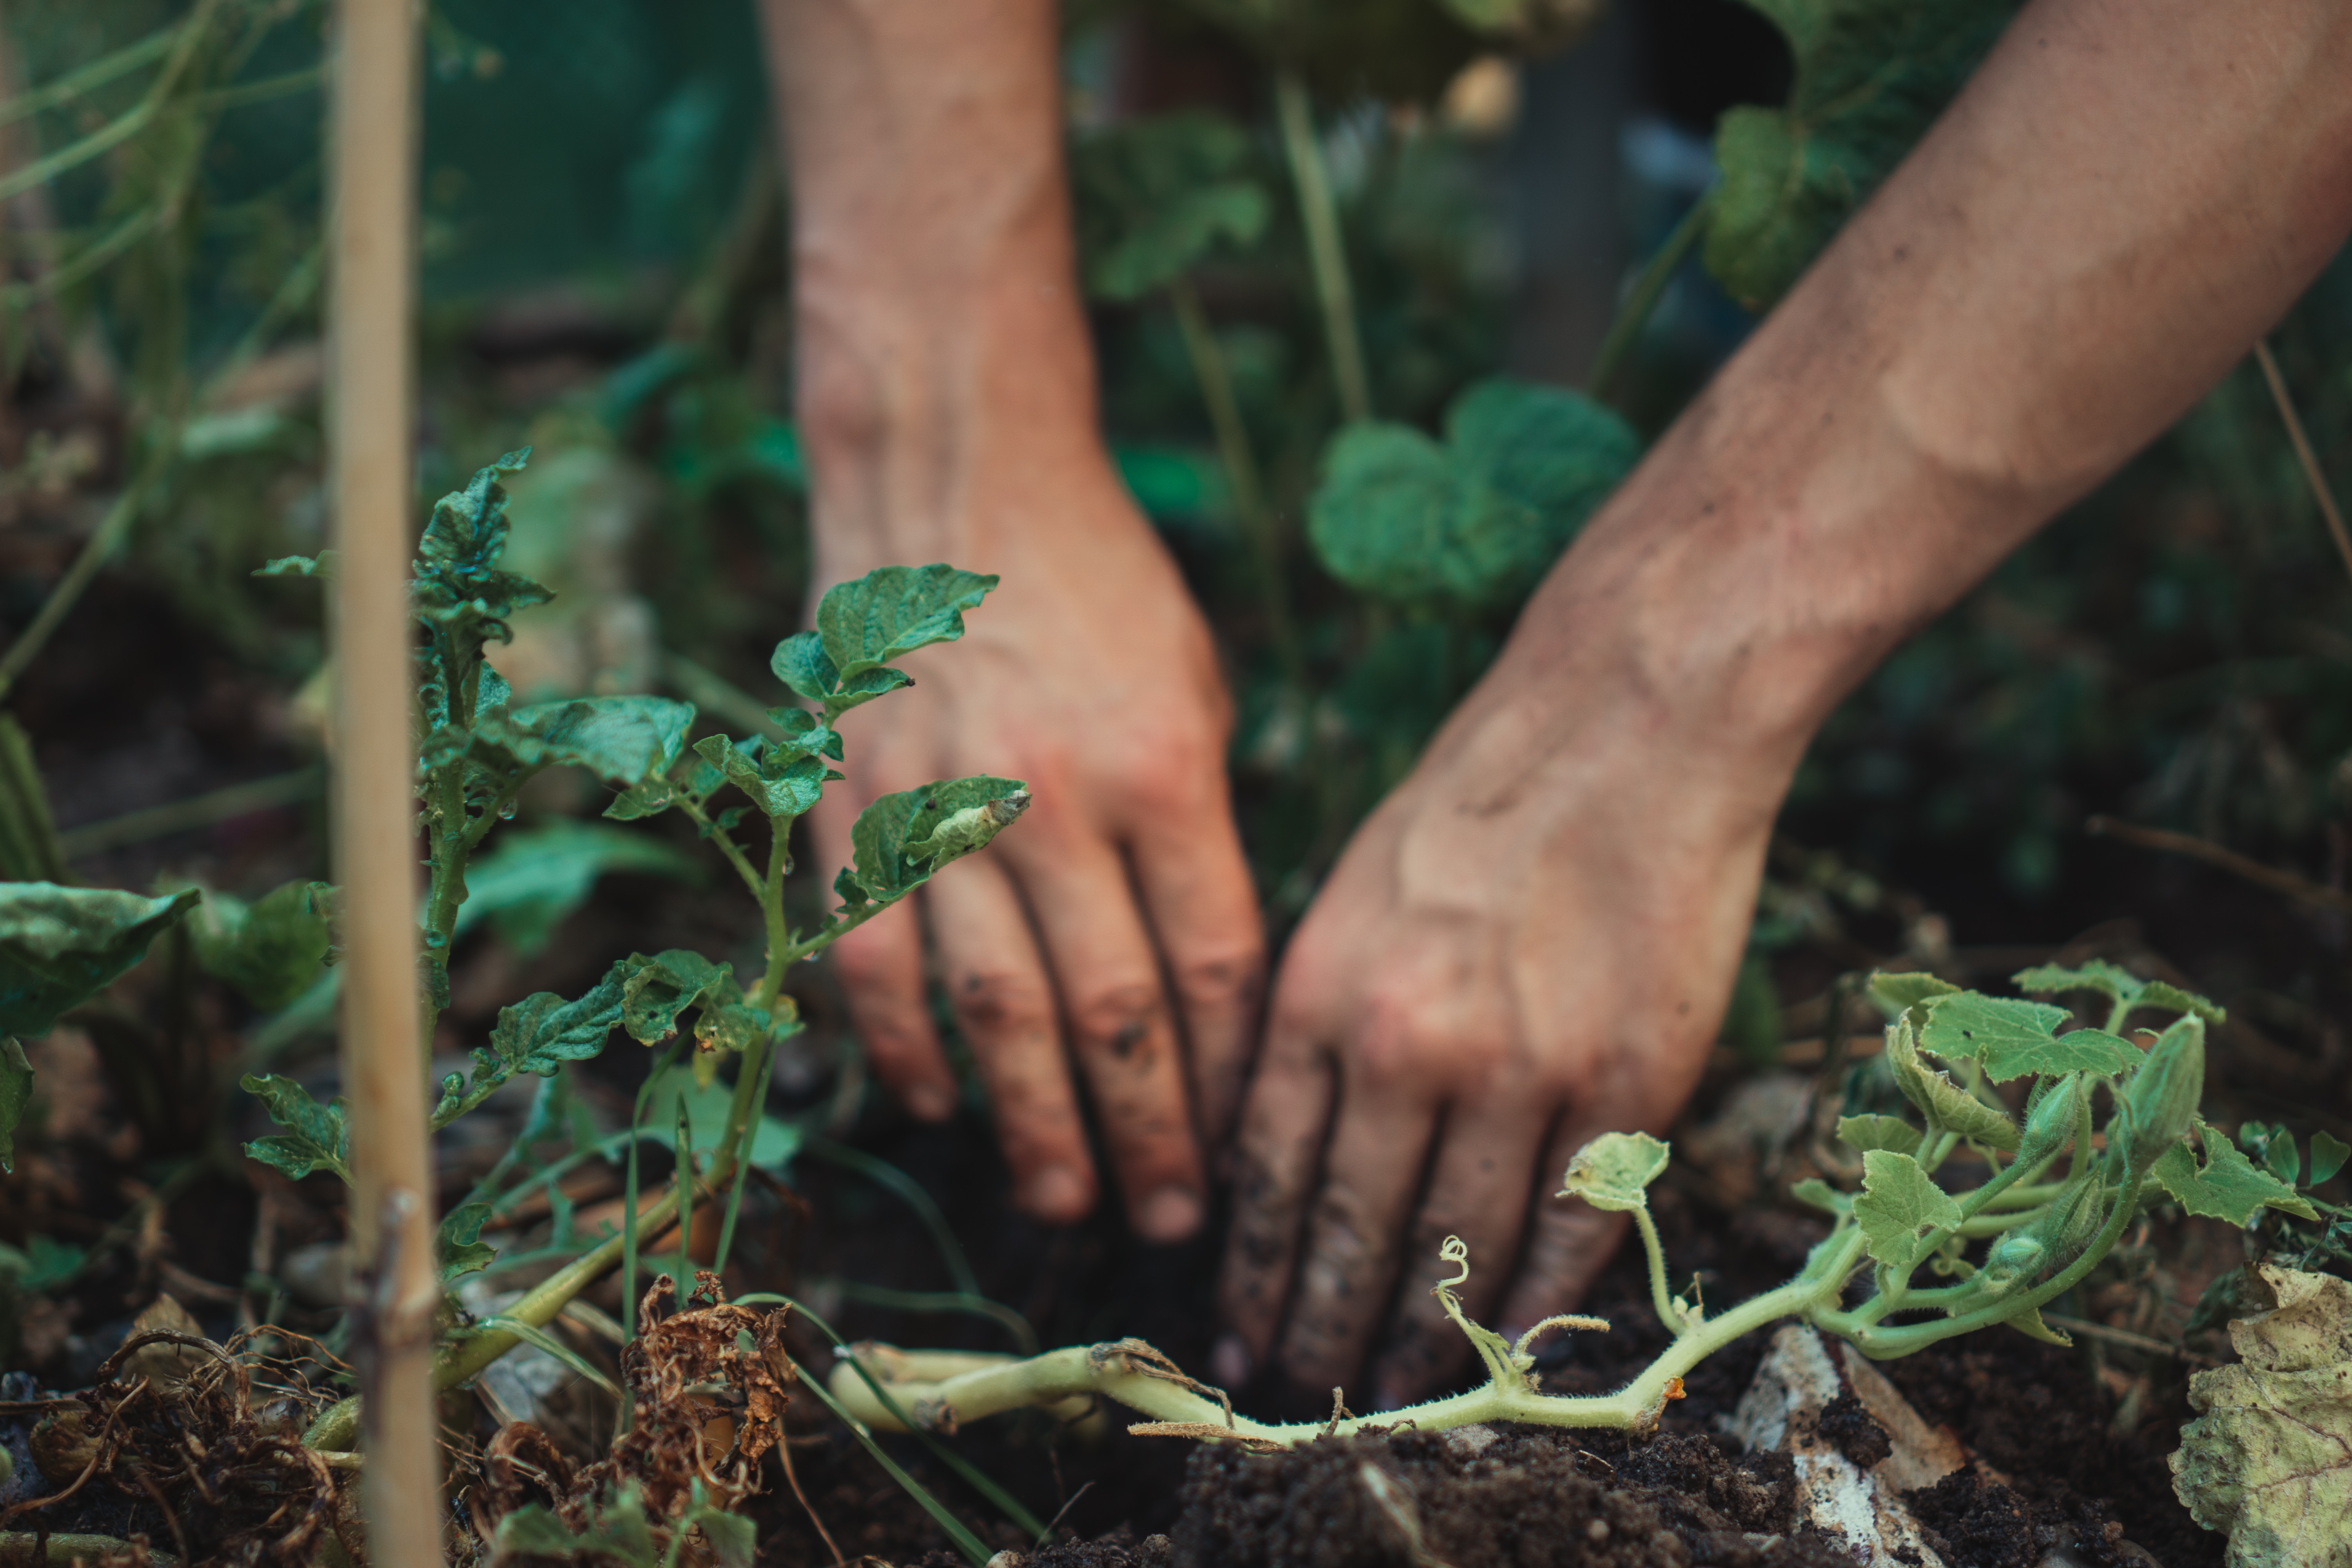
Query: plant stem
[[1625, 329], [1326, 253], [1662, 1294], [2304, 454], [196, 811], [726, 847], [104, 542]]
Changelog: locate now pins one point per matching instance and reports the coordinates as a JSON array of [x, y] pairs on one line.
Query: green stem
[[726, 847], [743, 1152], [1662, 1294], [1326, 253], [1625, 330], [97, 73]]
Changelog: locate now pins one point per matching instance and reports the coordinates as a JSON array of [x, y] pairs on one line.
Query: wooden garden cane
[[371, 138]]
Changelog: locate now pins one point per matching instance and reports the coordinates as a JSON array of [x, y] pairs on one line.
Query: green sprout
[[2061, 1184]]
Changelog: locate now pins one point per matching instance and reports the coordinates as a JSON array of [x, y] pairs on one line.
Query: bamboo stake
[[371, 136]]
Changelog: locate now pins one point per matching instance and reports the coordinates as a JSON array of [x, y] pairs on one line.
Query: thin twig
[[2300, 889], [2126, 1338], [784, 1458], [1326, 253], [2304, 454], [1625, 331]]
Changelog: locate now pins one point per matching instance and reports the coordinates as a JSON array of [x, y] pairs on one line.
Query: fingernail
[[1172, 1214], [931, 1101], [1057, 1192], [1229, 1361]]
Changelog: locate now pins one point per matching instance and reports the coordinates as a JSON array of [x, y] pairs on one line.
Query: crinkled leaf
[[1901, 1210], [896, 838], [1613, 1171], [1469, 525], [2227, 1186], [1942, 1101], [1890, 1132], [533, 878], [2269, 1455], [543, 1031], [2159, 994], [617, 1529], [2110, 981], [1154, 196], [781, 782], [2328, 1153], [271, 950], [657, 989], [1871, 76], [648, 799], [892, 611], [620, 740], [60, 946], [459, 1243], [317, 1137], [15, 1093], [2011, 1039]]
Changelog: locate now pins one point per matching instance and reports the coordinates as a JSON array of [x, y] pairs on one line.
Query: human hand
[[1118, 918]]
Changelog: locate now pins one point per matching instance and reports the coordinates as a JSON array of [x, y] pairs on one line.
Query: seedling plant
[[2105, 1128]]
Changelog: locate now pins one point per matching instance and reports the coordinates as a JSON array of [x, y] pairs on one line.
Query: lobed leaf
[[1469, 525], [2227, 1186], [1889, 1132], [2268, 1456], [2011, 1039], [861, 627], [2111, 981], [60, 946], [317, 1137], [1944, 1103], [1898, 993], [1903, 1214], [1615, 1171], [271, 951]]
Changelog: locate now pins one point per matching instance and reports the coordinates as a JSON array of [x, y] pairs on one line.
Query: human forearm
[[941, 342], [2123, 199]]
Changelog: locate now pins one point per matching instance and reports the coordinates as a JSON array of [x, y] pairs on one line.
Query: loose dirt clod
[[1847, 1426]]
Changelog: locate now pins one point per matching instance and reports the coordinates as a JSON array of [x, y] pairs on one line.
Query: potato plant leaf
[[271, 951], [2227, 1186], [861, 627], [620, 740], [657, 990], [543, 1031], [533, 880], [1870, 75], [1468, 526], [321, 566], [901, 839], [2010, 1039], [1889, 1132], [782, 781], [317, 1137], [1901, 1209], [1615, 1171], [1155, 197], [60, 946], [2268, 1456]]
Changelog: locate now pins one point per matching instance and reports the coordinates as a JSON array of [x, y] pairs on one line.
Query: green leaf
[[892, 611], [1871, 76], [323, 565], [543, 1031], [2010, 1039], [1815, 1191], [2028, 1323], [622, 739], [1890, 1132], [734, 1539], [774, 1143], [271, 951], [2228, 1186], [2115, 984], [16, 1094], [316, 1138], [535, 878], [458, 1244], [898, 841], [657, 989], [1613, 1171], [2281, 1159], [617, 1528], [1467, 526], [60, 946], [782, 781], [1155, 197], [1943, 1102], [2157, 994], [2328, 1153], [1897, 993], [2269, 1455], [1901, 1212]]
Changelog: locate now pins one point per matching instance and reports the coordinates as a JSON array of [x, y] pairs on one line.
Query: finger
[[1283, 1120], [1003, 1001], [881, 969], [1348, 1268], [1569, 1241], [1203, 906], [1478, 1192], [1107, 979]]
